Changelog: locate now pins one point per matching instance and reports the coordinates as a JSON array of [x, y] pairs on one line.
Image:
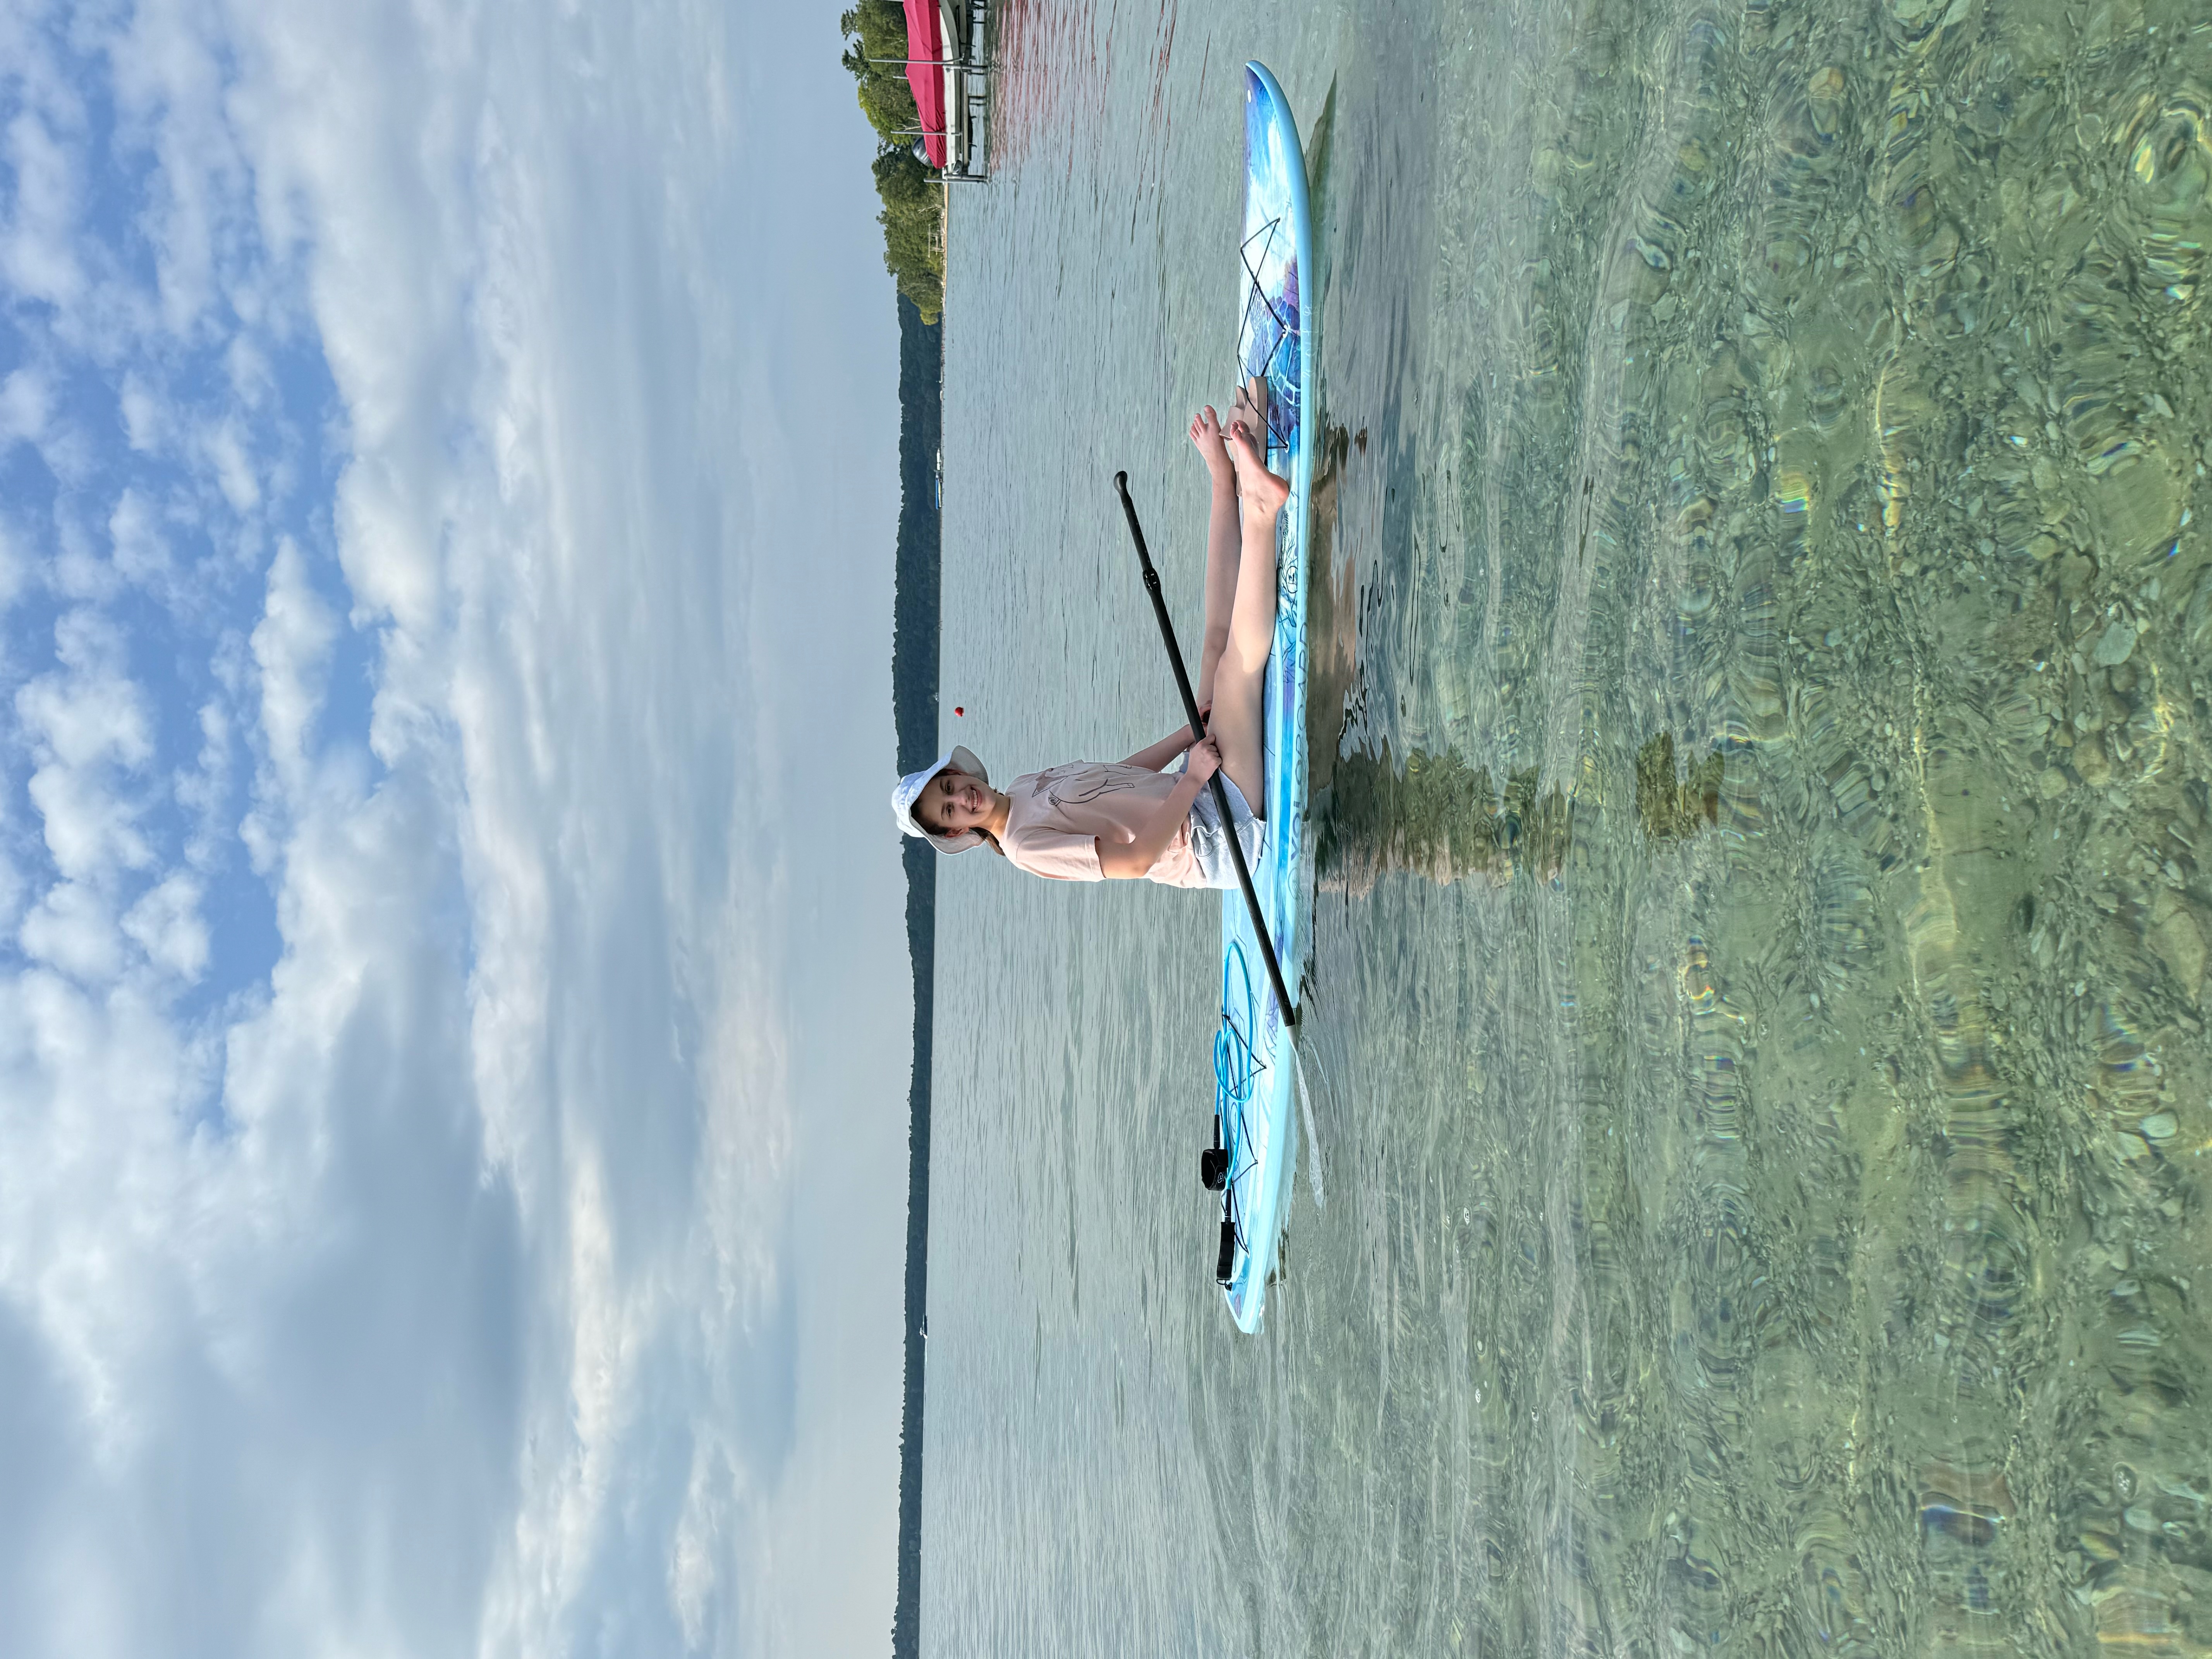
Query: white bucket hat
[[909, 790]]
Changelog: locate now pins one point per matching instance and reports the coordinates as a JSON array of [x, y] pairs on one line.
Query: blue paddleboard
[[1254, 1061]]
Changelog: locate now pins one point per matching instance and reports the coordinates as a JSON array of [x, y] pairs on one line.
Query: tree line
[[914, 206], [916, 612]]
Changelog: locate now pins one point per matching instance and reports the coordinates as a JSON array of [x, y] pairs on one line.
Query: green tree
[[914, 208], [914, 204], [875, 32]]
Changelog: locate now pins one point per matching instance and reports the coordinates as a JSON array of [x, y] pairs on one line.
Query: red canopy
[[925, 38]]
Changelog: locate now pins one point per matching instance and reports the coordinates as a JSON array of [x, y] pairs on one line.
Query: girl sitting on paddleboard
[[1092, 821]]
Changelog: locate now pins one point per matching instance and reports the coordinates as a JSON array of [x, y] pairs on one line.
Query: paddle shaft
[[1198, 735]]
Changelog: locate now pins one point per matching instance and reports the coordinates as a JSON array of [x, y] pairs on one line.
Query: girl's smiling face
[[953, 802]]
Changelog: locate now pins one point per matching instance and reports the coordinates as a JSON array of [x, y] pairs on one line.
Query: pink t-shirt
[[1058, 816]]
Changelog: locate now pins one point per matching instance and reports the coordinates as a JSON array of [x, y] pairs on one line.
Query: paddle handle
[[1198, 735]]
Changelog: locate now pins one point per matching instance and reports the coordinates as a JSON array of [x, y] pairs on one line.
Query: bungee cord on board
[[1237, 1068], [1285, 332]]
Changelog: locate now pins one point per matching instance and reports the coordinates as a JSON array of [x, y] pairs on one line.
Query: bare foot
[[1260, 491], [1205, 432]]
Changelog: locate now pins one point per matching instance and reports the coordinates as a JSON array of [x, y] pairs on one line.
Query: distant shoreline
[[915, 621]]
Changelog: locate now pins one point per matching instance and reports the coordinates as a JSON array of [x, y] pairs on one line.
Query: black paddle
[[1198, 735]]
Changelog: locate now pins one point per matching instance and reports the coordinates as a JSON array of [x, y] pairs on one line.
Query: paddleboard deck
[[1255, 1064]]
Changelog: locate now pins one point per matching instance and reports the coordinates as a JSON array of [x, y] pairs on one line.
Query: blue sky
[[453, 1054]]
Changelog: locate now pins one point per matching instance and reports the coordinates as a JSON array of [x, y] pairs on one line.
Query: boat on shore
[[948, 69]]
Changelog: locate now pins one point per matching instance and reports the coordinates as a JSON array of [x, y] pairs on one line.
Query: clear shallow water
[[1761, 1084]]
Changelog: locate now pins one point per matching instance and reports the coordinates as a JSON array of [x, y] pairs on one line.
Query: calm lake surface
[[1757, 1197]]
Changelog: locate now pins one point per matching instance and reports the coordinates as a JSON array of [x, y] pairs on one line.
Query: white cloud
[[166, 924], [291, 647], [145, 416], [24, 399], [203, 787], [440, 1268], [225, 452], [142, 553], [255, 1321], [79, 571], [169, 86], [90, 1080], [72, 929], [38, 253], [13, 889], [16, 569], [87, 724], [252, 378]]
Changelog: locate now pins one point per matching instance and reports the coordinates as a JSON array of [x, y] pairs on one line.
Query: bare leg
[[1239, 723], [1220, 547]]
